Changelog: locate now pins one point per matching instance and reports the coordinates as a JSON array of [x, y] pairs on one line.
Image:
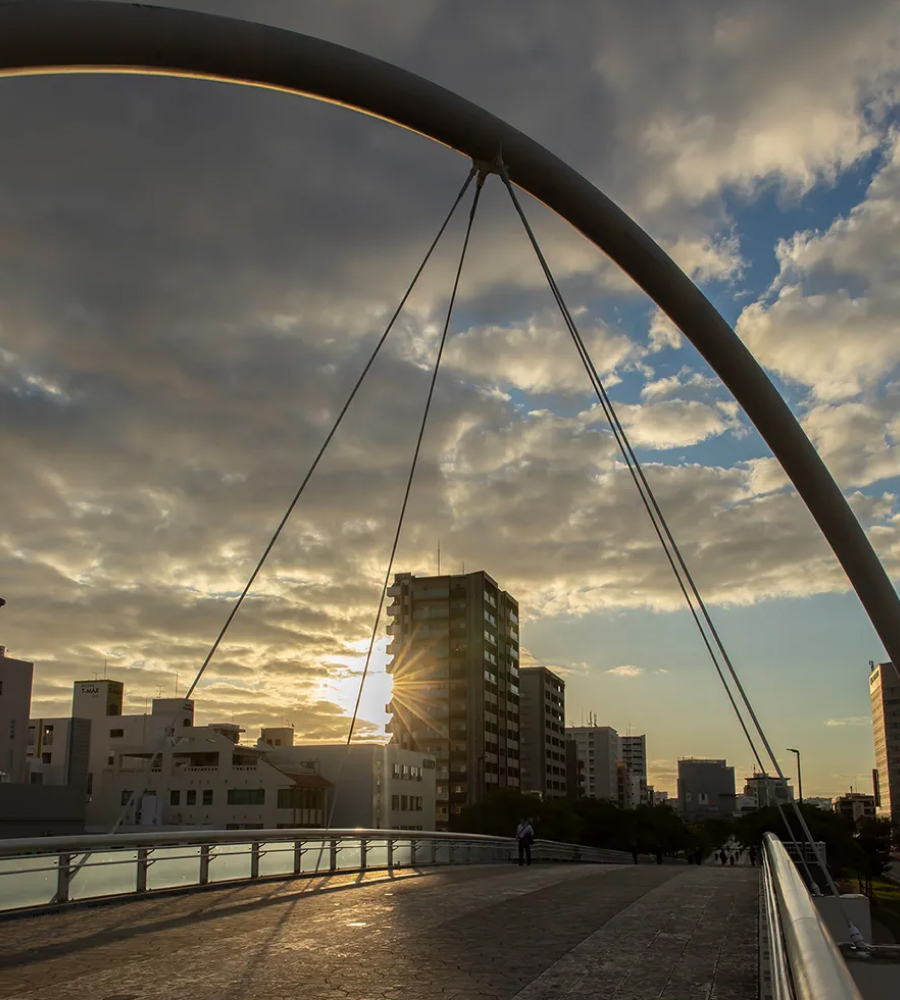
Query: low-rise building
[[205, 778], [855, 806], [377, 786], [15, 706], [58, 752], [767, 791]]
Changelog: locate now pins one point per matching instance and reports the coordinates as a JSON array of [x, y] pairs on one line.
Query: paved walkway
[[549, 931]]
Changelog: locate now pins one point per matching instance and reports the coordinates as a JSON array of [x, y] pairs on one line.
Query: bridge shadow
[[215, 902]]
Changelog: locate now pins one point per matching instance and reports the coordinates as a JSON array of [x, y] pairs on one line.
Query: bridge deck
[[631, 933]]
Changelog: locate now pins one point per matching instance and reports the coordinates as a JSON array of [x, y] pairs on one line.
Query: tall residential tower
[[455, 649], [884, 690], [543, 732]]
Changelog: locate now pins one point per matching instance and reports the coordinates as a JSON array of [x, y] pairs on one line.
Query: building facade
[[377, 786], [855, 806], [455, 665], [574, 770], [634, 754], [600, 750], [16, 677], [204, 778], [884, 692], [543, 732], [766, 791], [705, 788], [59, 752]]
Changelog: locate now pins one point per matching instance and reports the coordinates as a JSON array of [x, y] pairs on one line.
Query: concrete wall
[[15, 708], [37, 810]]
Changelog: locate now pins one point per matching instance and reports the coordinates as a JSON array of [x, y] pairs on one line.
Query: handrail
[[43, 873], [817, 968]]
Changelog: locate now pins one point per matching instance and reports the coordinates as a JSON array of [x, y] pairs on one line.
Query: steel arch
[[56, 36]]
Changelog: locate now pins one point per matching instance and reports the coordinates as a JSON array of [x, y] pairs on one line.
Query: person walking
[[634, 852], [731, 860], [525, 836], [753, 856]]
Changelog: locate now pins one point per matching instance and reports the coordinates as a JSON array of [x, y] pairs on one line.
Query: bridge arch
[[58, 36]]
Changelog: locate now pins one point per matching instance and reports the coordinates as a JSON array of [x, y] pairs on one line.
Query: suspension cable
[[412, 471], [290, 509], [661, 528]]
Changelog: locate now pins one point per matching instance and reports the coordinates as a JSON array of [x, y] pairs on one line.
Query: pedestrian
[[753, 856], [731, 860], [525, 836], [723, 857], [634, 852], [659, 854]]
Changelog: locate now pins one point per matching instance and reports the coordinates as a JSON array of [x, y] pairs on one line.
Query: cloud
[[850, 720], [829, 322], [626, 671]]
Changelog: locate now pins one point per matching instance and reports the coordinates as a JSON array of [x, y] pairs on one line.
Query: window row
[[407, 803]]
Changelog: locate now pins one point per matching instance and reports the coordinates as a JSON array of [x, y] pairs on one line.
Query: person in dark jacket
[[525, 838]]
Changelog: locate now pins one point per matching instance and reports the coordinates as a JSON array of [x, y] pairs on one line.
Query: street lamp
[[799, 773]]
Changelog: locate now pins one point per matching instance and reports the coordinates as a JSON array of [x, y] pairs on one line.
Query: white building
[[766, 791], [15, 707], [855, 806], [599, 748], [101, 701], [377, 786], [661, 798], [59, 752], [204, 778]]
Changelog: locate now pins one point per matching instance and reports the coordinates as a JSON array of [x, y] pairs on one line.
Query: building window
[[174, 797], [46, 758], [395, 802], [246, 796], [207, 796], [191, 797], [110, 760], [126, 796], [116, 734], [12, 729]]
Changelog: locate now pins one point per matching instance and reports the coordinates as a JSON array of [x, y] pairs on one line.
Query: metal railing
[[804, 962], [54, 871]]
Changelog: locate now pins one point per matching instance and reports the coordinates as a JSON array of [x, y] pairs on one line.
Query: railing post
[[298, 857], [254, 859], [363, 847], [332, 856], [62, 878], [390, 854], [204, 864], [412, 853], [434, 850], [143, 864]]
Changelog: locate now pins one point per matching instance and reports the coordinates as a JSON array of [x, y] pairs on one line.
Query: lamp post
[[799, 773]]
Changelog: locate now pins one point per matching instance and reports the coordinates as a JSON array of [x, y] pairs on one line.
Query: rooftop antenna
[[439, 557]]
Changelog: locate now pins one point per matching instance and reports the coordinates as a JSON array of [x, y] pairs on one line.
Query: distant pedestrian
[[659, 854], [753, 856], [634, 852], [723, 857], [525, 837], [731, 860]]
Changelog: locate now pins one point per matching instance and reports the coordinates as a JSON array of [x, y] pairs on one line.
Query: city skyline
[[197, 272]]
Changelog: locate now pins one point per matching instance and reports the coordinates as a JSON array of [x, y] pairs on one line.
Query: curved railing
[[804, 963], [54, 871]]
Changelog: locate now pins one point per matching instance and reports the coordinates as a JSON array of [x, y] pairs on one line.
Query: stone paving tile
[[486, 931]]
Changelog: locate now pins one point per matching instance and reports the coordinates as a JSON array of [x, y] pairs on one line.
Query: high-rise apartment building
[[600, 749], [455, 664], [59, 752], [705, 788], [543, 732], [884, 690], [15, 707], [634, 754]]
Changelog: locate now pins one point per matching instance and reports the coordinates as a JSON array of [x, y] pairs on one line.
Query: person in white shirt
[[525, 837]]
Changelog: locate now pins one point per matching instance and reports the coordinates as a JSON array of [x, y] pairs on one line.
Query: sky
[[192, 275]]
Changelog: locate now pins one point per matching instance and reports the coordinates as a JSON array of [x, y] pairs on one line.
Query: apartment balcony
[[394, 609], [394, 628], [395, 590]]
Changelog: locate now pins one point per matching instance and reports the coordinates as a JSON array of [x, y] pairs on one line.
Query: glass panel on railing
[[104, 873], [402, 853], [377, 854], [173, 866], [348, 855], [23, 883], [317, 856], [229, 861], [276, 858]]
